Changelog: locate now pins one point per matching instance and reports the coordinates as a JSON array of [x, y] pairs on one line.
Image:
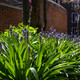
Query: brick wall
[[56, 17], [9, 16]]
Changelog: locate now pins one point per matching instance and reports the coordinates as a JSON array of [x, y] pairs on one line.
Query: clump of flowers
[[26, 34], [52, 33]]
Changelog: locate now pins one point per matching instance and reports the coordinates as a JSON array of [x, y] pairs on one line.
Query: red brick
[[56, 17], [9, 16]]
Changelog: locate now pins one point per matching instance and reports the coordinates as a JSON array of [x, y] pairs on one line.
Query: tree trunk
[[45, 17], [36, 14], [78, 25], [25, 12]]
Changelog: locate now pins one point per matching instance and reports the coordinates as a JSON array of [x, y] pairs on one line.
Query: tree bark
[[36, 17], [45, 17], [26, 12], [36, 14]]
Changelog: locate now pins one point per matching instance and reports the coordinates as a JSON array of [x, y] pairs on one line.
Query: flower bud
[[24, 33], [10, 28], [17, 35], [21, 38], [27, 36], [25, 29], [54, 31], [49, 36], [51, 29], [27, 33]]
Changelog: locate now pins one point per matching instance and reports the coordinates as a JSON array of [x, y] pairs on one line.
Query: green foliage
[[34, 60]]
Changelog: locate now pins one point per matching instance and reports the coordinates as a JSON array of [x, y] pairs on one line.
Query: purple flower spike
[[75, 36], [27, 35], [10, 29], [21, 38], [54, 31], [25, 29], [17, 35], [49, 35], [51, 29], [24, 33], [11, 32]]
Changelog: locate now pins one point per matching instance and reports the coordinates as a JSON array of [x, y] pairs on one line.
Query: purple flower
[[54, 32], [17, 35], [25, 29], [49, 35], [26, 34], [51, 29], [75, 36], [11, 32], [77, 41], [21, 38], [46, 35], [10, 29], [57, 36]]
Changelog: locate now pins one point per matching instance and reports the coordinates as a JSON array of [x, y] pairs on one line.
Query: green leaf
[[39, 58], [34, 73], [51, 60]]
